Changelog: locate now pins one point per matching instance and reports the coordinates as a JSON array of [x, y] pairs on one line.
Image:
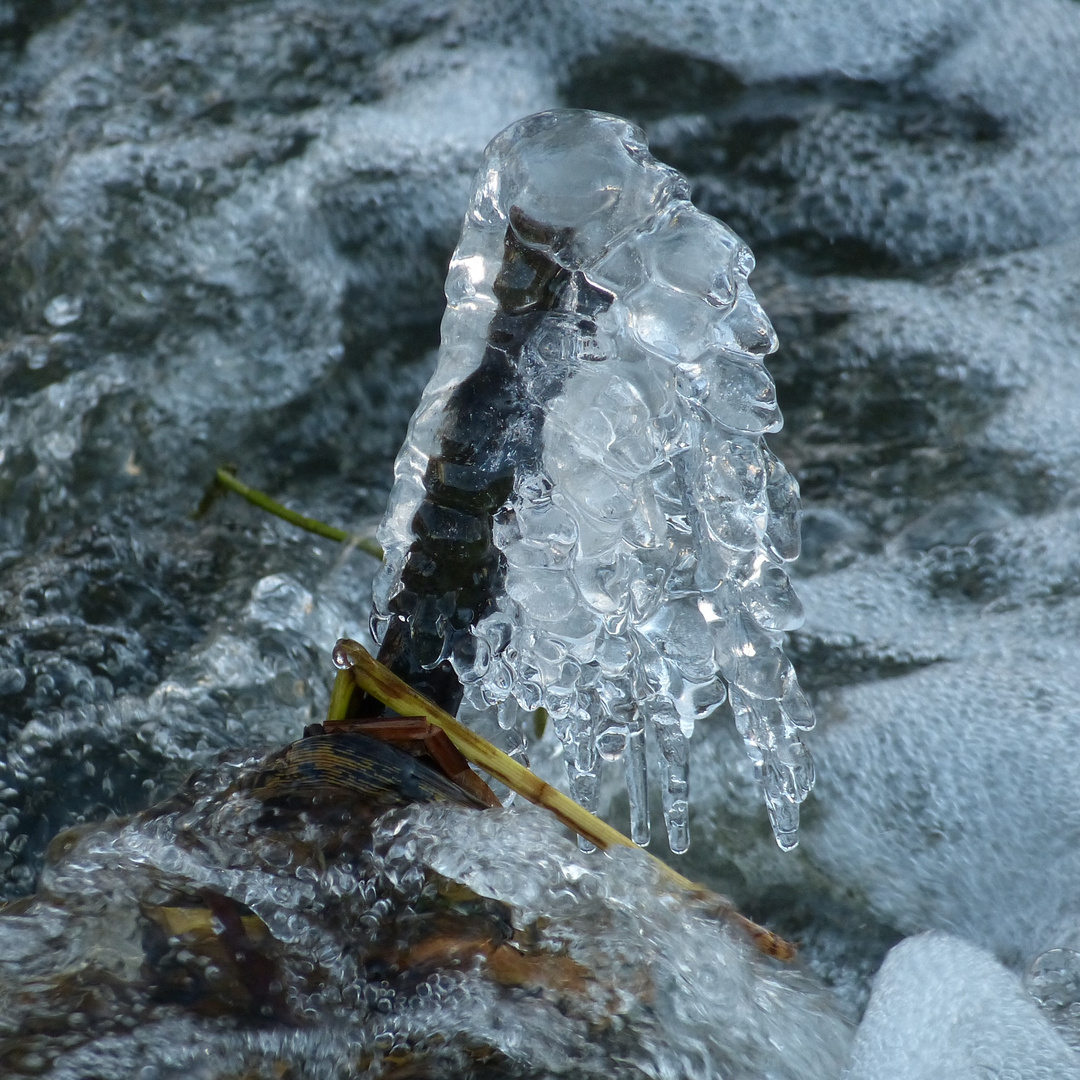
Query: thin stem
[[340, 697], [365, 543], [377, 680]]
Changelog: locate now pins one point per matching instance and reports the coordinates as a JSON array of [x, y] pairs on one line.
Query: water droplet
[[63, 310], [341, 657]]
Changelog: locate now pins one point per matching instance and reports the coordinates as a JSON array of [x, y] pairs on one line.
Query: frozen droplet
[[794, 757], [548, 595], [699, 700], [1053, 980], [497, 630], [738, 394], [646, 527], [604, 498], [505, 530], [530, 694], [681, 635], [696, 254], [604, 583], [614, 655], [731, 525], [677, 818], [782, 490], [747, 331], [63, 310], [796, 707], [730, 467], [646, 592], [784, 818], [611, 741], [378, 623], [507, 714], [498, 683], [471, 657], [583, 768], [675, 767], [770, 598]]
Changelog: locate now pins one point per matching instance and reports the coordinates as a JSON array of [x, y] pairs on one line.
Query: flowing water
[[225, 231]]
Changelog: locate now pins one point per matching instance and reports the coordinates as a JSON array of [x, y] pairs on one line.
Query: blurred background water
[[223, 234]]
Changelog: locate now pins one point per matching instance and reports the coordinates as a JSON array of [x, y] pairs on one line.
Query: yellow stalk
[[340, 696], [379, 681]]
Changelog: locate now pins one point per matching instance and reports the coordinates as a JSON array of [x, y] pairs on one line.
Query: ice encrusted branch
[[585, 515]]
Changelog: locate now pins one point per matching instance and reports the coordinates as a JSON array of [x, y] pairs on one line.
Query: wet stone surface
[[224, 230]]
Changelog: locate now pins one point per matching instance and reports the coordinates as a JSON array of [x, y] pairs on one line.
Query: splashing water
[[585, 516]]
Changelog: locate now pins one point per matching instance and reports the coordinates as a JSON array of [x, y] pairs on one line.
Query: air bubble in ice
[[597, 421], [63, 310]]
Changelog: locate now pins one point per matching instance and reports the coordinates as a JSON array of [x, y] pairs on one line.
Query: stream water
[[224, 230]]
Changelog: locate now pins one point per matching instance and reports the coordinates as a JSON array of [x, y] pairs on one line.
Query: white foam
[[943, 1009]]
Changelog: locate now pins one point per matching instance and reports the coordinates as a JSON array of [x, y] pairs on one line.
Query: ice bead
[[738, 395], [585, 516]]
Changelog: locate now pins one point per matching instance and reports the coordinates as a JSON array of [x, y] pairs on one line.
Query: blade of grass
[[257, 498], [377, 680]]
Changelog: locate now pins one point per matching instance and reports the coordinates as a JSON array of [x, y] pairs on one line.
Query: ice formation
[[237, 930], [585, 515]]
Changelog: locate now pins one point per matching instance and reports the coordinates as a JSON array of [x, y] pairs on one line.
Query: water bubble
[[63, 310], [1053, 979], [342, 656]]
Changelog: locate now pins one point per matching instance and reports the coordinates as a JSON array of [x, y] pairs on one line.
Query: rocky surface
[[223, 233]]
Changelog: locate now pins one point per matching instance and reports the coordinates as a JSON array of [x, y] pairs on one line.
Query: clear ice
[[585, 515], [231, 931]]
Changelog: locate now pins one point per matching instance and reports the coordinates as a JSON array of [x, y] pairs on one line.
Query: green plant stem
[[340, 697], [365, 543]]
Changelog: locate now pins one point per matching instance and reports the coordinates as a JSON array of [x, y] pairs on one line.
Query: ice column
[[585, 514]]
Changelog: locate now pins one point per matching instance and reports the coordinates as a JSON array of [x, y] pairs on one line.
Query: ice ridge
[[585, 515]]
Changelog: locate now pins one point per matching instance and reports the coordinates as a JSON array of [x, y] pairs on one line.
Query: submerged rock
[[942, 1007]]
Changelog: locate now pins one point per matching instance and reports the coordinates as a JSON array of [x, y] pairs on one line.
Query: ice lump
[[585, 515]]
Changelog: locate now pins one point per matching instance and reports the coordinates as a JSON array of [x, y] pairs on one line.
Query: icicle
[[585, 515]]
